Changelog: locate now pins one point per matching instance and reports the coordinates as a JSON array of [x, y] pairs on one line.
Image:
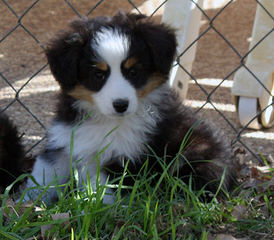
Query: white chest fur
[[112, 138]]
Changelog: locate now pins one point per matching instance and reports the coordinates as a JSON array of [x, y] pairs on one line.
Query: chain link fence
[[27, 90]]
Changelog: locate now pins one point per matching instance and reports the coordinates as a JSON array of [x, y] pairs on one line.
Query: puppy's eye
[[133, 72], [100, 75]]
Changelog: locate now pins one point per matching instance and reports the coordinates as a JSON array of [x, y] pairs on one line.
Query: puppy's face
[[112, 63]]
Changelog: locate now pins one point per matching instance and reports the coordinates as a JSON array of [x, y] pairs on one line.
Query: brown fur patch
[[154, 81], [130, 62], [102, 66], [201, 146], [81, 93]]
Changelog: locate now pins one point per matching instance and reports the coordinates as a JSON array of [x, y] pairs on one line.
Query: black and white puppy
[[116, 69]]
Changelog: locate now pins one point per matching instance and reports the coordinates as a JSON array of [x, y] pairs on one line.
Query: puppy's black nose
[[120, 105]]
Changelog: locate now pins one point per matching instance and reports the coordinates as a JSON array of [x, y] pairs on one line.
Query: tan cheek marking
[[130, 62], [102, 66], [81, 93], [154, 81]]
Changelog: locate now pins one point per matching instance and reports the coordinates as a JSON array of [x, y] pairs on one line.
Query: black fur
[[12, 153], [65, 112], [206, 154]]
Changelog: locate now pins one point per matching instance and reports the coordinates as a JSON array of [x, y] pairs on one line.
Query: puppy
[[12, 154], [113, 74]]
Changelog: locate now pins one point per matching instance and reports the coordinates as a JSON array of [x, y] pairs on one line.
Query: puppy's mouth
[[119, 115]]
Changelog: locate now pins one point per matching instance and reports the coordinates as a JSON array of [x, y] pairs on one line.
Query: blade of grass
[[10, 236]]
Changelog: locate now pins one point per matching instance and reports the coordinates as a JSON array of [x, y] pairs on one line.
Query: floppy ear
[[128, 18], [64, 51], [161, 42]]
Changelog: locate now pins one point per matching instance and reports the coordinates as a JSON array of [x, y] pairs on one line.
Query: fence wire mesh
[[28, 90]]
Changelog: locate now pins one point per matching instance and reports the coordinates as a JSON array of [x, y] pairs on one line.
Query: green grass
[[167, 209], [156, 207]]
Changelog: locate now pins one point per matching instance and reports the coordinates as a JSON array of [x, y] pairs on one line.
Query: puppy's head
[[112, 62]]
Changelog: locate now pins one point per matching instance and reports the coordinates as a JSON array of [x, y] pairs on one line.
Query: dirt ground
[[21, 56]]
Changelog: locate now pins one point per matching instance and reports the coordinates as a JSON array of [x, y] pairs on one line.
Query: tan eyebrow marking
[[130, 62], [102, 66]]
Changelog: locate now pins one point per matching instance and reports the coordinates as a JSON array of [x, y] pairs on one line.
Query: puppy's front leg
[[45, 172]]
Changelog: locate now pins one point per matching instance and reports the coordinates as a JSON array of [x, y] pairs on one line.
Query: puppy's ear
[[128, 19], [63, 53], [161, 42]]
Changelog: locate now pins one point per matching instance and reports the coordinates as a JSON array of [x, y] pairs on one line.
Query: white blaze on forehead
[[111, 45]]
